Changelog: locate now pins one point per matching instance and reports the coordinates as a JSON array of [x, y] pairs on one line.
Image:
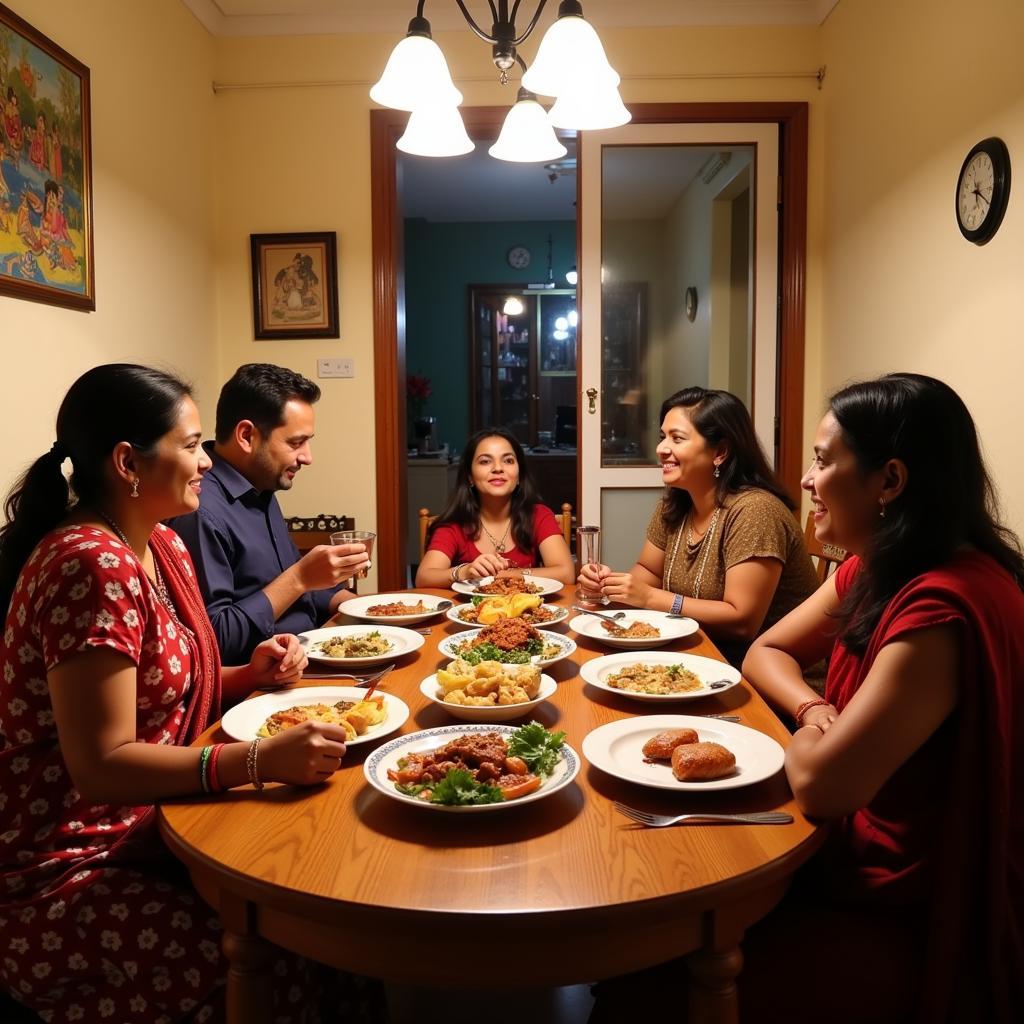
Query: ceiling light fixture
[[571, 66]]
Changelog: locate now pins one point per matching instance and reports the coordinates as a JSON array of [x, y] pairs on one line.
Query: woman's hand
[[821, 716], [591, 577], [304, 755], [484, 565], [277, 661], [625, 588]]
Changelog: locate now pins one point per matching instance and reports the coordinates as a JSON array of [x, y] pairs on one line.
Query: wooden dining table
[[565, 887]]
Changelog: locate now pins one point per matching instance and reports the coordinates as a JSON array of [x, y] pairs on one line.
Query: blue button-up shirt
[[239, 542]]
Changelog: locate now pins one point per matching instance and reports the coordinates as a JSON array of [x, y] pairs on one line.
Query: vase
[[424, 429]]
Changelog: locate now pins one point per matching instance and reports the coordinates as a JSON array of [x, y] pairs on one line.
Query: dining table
[[557, 891]]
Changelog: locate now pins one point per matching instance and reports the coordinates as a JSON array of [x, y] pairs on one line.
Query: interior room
[[794, 167]]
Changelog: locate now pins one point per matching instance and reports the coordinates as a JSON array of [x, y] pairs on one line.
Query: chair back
[[308, 531], [827, 557], [563, 518]]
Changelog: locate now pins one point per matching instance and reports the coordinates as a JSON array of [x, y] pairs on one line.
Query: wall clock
[[518, 257], [691, 303], [982, 190]]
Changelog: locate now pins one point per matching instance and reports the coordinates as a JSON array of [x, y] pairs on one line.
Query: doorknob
[[591, 394]]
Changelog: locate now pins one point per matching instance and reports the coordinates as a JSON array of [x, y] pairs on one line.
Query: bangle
[[677, 605], [250, 764], [214, 779], [455, 571], [204, 762], [806, 706]]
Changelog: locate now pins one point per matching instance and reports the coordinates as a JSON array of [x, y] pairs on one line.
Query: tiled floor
[[569, 1005]]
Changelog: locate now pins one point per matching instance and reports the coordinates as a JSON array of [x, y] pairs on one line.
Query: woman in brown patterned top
[[723, 545]]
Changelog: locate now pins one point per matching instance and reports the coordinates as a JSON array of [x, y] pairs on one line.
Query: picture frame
[[46, 228], [295, 285]]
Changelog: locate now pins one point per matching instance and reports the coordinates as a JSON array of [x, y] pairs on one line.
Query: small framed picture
[[295, 285]]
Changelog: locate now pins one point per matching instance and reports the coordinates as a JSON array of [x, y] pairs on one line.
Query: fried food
[[398, 608], [693, 762], [355, 717], [634, 631], [661, 746], [487, 684]]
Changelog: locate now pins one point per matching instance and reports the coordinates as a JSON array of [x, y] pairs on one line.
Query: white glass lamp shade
[[572, 276], [513, 306], [570, 55], [435, 131], [589, 109], [527, 135], [416, 75]]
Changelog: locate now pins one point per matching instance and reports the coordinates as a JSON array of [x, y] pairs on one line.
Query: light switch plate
[[335, 368]]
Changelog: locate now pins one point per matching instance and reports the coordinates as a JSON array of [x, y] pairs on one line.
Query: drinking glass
[[357, 537], [588, 552]]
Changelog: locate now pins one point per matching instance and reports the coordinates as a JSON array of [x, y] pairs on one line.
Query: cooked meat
[[508, 634], [700, 761], [660, 747]]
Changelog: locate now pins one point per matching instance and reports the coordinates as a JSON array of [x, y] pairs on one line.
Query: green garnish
[[457, 789], [491, 652], [537, 747]]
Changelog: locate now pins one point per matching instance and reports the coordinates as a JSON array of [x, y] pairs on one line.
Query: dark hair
[[106, 405], [721, 418], [947, 501], [259, 392], [463, 508]]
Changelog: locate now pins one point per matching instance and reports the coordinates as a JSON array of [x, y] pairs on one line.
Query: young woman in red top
[[494, 521]]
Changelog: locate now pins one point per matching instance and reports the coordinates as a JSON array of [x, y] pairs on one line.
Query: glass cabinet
[[523, 360]]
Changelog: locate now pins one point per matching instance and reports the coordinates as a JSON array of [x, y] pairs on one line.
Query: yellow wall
[[152, 139], [903, 290]]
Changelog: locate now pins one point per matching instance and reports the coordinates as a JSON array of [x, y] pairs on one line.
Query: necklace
[[706, 541], [499, 545], [158, 583]]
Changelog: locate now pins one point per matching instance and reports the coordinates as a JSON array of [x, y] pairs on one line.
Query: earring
[[881, 508], [134, 492], [718, 471]]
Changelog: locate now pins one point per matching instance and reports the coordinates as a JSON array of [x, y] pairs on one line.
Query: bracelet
[[677, 605], [806, 706], [214, 778], [204, 762], [251, 766], [455, 571]]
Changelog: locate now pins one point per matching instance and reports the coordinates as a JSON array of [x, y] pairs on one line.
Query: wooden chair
[[828, 557], [563, 518], [308, 531]]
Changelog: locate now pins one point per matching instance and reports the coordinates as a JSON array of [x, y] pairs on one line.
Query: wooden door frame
[[388, 287]]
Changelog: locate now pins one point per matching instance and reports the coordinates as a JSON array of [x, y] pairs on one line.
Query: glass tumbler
[[363, 537], [588, 552]]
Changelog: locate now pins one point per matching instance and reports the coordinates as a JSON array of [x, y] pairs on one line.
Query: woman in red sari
[[108, 671]]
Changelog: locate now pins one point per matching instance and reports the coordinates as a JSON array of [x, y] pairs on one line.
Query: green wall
[[441, 261]]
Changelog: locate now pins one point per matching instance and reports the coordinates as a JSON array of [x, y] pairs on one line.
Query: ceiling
[[316, 17]]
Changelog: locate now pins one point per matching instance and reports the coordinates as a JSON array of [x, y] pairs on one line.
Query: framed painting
[[295, 285], [46, 232]]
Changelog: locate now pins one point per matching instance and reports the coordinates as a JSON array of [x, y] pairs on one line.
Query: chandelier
[[570, 66]]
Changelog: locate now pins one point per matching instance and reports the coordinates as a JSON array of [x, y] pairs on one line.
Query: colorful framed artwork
[[295, 285], [46, 231]]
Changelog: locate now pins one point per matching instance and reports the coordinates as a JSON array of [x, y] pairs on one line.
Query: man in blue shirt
[[253, 581]]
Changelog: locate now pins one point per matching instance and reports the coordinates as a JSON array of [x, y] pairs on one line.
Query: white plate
[[547, 586], [403, 641], [563, 614], [565, 644], [356, 607], [671, 629], [708, 670], [243, 720], [497, 713], [376, 766], [616, 748]]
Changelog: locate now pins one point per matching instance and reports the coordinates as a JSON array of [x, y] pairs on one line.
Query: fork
[[660, 820], [361, 679]]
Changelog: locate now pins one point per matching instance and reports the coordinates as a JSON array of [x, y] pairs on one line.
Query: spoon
[[443, 606], [719, 684], [613, 618]]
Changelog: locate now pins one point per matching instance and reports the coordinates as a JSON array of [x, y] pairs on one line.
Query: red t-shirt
[[457, 542]]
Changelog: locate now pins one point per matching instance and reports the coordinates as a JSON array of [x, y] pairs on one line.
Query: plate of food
[[465, 769], [683, 752], [399, 609], [488, 691], [505, 586], [659, 675], [638, 630], [509, 641], [485, 611], [363, 720], [359, 645]]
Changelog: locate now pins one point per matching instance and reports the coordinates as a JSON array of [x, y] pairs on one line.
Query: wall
[[152, 142], [903, 290], [441, 261]]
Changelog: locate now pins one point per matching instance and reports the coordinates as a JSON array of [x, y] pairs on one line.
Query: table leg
[[249, 997], [712, 989]]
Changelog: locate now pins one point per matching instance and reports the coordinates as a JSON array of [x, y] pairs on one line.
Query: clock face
[[519, 257], [982, 190]]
